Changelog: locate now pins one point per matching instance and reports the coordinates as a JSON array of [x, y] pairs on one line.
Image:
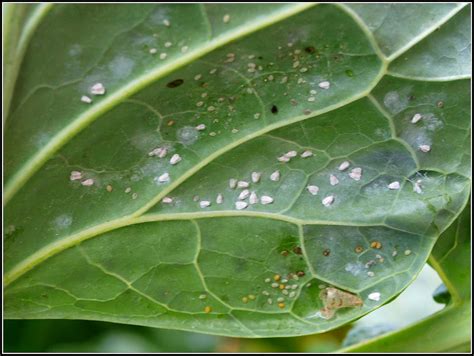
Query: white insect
[[163, 56], [344, 165], [256, 177], [240, 205], [204, 204], [417, 186], [200, 127], [291, 154], [175, 159], [313, 189], [244, 194], [87, 182], [327, 201], [394, 185], [232, 183], [98, 89], [324, 85], [86, 99], [242, 184], [275, 176], [167, 200], [165, 177], [75, 175], [374, 296], [306, 154], [265, 199], [159, 151], [416, 118], [253, 198], [219, 199], [356, 173], [333, 180], [424, 148], [283, 159]]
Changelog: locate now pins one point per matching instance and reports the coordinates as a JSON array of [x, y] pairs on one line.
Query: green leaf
[[117, 251], [449, 329]]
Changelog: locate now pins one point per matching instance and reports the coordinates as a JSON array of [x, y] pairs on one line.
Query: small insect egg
[[274, 285], [284, 280], [281, 305], [292, 294], [226, 18], [265, 293], [251, 297], [294, 286], [153, 50], [287, 286], [267, 280], [168, 44], [171, 123], [370, 274], [203, 296], [109, 188], [245, 300], [280, 299], [276, 277], [407, 252], [270, 301], [285, 291], [281, 286], [376, 244], [207, 309]]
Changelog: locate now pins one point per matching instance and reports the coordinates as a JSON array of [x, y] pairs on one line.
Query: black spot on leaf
[[175, 83], [274, 109]]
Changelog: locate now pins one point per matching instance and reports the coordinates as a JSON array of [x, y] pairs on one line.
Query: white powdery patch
[[75, 175], [244, 194], [204, 204], [328, 200], [265, 199], [86, 99], [344, 165], [374, 296], [275, 176], [175, 159], [306, 154], [356, 173], [63, 221], [253, 199], [313, 189], [164, 178], [98, 89], [394, 185], [240, 205], [324, 85], [256, 177], [333, 180]]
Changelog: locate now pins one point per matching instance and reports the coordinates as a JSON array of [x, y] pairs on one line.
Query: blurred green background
[[415, 303]]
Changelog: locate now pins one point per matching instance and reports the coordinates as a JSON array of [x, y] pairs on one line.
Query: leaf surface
[[232, 95]]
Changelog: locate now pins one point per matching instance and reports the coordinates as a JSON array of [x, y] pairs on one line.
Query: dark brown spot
[[440, 104], [358, 249], [326, 252], [175, 83], [411, 98], [284, 253], [300, 273], [274, 109], [310, 49], [298, 250], [376, 244]]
